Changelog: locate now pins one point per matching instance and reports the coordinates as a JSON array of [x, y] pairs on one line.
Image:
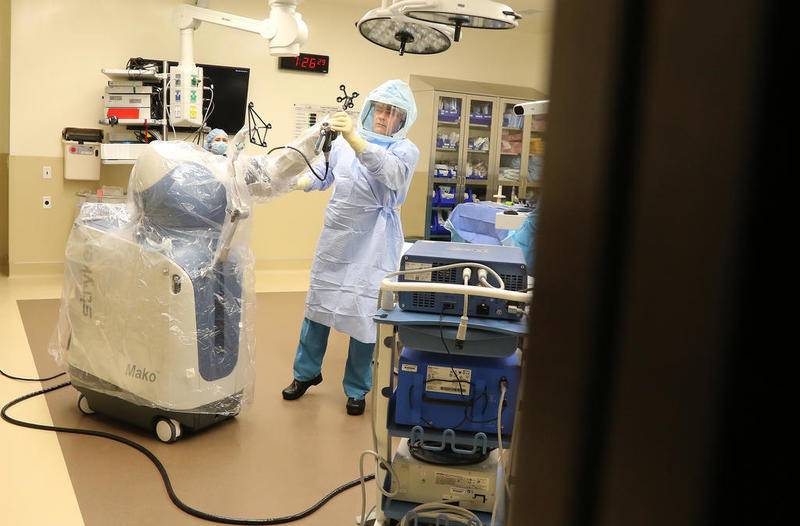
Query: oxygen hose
[[160, 466]]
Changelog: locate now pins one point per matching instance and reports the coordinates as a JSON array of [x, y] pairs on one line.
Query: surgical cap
[[394, 92], [213, 134]]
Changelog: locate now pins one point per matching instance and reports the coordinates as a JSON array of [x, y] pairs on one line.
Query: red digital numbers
[[311, 63]]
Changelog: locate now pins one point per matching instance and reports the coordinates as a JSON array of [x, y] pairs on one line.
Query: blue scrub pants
[[311, 350]]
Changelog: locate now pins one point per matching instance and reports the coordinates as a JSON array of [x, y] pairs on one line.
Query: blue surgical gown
[[362, 237]]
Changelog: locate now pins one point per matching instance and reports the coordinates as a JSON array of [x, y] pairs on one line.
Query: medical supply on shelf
[[447, 141], [121, 153], [478, 170], [481, 114], [449, 109], [508, 174], [479, 144], [511, 142], [511, 120], [442, 171]]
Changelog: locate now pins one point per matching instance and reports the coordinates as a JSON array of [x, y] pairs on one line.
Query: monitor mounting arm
[[284, 29]]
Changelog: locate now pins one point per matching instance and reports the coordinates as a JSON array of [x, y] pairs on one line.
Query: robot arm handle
[[269, 176]]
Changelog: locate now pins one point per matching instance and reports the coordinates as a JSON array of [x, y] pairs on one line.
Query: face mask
[[219, 147]]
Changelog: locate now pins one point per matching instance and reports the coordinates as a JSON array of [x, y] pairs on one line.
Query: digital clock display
[[306, 62]]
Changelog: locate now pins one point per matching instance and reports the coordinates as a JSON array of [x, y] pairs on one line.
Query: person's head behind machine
[[388, 113], [217, 141]]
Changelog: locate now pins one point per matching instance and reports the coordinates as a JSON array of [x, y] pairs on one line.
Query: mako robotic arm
[[274, 174]]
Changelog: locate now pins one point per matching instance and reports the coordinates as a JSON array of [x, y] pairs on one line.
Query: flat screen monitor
[[230, 96]]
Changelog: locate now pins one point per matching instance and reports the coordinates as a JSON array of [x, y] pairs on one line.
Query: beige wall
[[5, 54], [57, 83]]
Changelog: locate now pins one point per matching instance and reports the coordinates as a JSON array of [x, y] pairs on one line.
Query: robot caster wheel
[[83, 406], [168, 430]]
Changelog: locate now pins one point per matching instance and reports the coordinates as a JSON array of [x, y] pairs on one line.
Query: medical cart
[[488, 341]]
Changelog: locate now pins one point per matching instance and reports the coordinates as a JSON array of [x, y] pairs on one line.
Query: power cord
[[163, 471], [379, 460], [169, 116], [461, 333], [500, 458], [440, 268], [449, 354], [304, 158], [209, 110], [12, 377]]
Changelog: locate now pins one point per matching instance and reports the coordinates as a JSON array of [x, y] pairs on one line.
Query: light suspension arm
[[284, 29]]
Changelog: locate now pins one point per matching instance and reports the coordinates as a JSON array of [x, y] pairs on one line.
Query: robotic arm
[[269, 176]]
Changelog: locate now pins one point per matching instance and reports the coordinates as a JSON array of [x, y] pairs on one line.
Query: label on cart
[[444, 380], [422, 276], [409, 367], [459, 495], [462, 482], [81, 149]]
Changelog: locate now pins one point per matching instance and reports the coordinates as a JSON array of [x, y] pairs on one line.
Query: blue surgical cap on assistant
[[213, 134]]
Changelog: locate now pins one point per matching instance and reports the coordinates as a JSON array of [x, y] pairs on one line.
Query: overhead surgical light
[[478, 14], [425, 27], [387, 28]]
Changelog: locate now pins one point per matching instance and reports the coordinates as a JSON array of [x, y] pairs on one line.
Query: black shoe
[[356, 407], [299, 388]]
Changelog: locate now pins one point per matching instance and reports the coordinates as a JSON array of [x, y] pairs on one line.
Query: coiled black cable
[[163, 471], [12, 377], [304, 158]]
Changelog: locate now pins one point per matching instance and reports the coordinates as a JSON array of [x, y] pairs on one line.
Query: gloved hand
[[304, 183], [343, 123]]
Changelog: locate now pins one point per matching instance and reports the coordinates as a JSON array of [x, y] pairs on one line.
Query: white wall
[[59, 47]]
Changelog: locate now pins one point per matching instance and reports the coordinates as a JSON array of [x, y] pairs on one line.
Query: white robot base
[[167, 425]]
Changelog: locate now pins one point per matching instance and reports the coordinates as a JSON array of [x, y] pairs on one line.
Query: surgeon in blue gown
[[370, 168]]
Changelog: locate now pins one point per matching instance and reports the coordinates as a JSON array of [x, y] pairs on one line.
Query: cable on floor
[[12, 377], [163, 471]]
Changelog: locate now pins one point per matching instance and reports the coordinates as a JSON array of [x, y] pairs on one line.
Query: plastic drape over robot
[[159, 295]]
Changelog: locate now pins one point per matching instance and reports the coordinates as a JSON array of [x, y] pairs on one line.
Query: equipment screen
[[230, 96]]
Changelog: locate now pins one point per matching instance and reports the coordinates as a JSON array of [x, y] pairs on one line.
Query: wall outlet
[[47, 172], [47, 201]]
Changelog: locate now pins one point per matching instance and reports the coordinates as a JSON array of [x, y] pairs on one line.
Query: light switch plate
[[47, 172]]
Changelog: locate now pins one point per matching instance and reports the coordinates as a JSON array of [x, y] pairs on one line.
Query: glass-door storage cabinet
[[473, 147], [481, 149]]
